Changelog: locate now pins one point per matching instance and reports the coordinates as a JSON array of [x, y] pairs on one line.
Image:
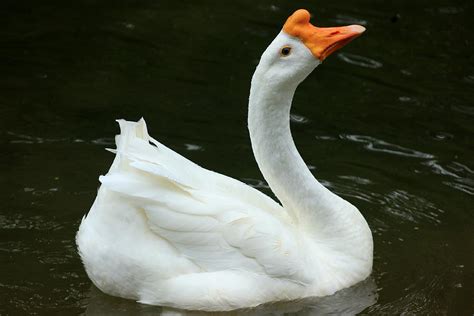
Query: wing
[[217, 222]]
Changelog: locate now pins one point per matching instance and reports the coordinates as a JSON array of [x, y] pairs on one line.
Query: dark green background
[[387, 123]]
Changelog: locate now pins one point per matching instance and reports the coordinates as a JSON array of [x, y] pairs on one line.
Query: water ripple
[[355, 179], [299, 119], [30, 223], [347, 19], [359, 60], [397, 203], [469, 79], [464, 109], [410, 207], [466, 185], [438, 169], [325, 137], [28, 139], [355, 191], [450, 10], [463, 176], [256, 183], [374, 144], [128, 25], [104, 141], [193, 147], [441, 136]]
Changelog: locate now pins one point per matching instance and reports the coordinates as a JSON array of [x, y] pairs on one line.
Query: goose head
[[300, 47]]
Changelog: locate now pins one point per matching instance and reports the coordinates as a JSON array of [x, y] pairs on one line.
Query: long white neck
[[309, 203], [337, 230], [328, 219]]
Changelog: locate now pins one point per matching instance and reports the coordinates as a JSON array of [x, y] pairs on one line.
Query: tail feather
[[128, 132], [137, 151]]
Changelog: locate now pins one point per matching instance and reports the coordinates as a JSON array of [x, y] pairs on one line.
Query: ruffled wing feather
[[215, 221]]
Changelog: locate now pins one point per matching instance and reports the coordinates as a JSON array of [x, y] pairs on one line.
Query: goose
[[164, 231]]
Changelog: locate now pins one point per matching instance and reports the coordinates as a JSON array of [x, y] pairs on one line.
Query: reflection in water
[[349, 301]]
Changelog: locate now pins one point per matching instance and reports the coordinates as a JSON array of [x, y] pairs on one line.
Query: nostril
[[334, 33]]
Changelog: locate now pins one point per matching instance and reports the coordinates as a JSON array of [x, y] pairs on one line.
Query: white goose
[[165, 231]]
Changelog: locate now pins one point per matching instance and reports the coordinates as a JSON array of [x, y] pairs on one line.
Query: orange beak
[[322, 41]]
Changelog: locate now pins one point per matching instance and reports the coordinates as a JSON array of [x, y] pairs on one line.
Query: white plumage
[[165, 231]]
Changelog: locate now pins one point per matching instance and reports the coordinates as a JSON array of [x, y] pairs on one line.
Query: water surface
[[387, 123]]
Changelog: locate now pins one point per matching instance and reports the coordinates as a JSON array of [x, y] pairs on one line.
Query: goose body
[[165, 231]]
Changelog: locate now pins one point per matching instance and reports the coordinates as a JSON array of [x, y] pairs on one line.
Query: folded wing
[[215, 221]]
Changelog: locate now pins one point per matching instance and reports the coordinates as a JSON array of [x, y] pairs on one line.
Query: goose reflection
[[348, 301]]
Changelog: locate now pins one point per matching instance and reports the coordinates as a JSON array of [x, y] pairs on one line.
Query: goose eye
[[285, 51]]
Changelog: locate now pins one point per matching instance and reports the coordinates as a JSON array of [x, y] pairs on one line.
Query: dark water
[[387, 123]]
